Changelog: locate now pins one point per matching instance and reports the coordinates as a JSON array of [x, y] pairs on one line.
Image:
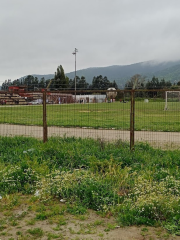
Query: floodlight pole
[[74, 53]]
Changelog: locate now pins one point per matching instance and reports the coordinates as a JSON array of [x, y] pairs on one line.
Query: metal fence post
[[132, 120], [44, 118]]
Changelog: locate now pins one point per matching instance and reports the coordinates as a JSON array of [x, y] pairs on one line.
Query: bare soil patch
[[26, 220]]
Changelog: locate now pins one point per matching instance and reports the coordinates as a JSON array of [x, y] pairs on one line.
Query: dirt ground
[[156, 139], [29, 220]]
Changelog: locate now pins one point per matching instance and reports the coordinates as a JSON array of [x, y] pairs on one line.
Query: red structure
[[21, 91], [17, 89], [52, 97]]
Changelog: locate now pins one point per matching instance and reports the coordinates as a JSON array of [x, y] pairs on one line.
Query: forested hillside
[[121, 74], [170, 71]]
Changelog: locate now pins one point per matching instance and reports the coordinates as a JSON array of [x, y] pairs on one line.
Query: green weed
[[72, 175], [36, 232]]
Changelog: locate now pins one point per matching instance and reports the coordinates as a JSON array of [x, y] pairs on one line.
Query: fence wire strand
[[91, 114]]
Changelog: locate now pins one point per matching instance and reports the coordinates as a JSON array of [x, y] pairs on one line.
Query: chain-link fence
[[151, 116]]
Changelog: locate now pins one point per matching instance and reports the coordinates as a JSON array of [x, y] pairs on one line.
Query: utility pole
[[74, 53]]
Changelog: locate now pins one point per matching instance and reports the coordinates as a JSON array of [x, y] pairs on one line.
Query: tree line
[[139, 82], [61, 81]]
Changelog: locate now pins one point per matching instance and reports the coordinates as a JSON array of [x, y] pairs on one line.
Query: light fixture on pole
[[74, 53]]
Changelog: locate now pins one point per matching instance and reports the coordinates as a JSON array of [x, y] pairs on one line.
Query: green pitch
[[148, 116]]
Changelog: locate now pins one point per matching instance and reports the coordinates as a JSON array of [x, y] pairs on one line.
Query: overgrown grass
[[139, 188], [148, 116]]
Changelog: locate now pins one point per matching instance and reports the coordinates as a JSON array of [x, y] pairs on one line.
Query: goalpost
[[172, 100]]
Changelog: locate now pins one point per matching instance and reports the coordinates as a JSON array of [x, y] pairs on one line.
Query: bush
[[18, 179]]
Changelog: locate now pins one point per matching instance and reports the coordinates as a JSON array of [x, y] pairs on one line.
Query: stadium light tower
[[74, 53]]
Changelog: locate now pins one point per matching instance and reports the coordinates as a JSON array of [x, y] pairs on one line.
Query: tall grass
[[140, 187]]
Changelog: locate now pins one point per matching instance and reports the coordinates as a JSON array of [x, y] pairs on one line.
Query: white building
[[90, 98]]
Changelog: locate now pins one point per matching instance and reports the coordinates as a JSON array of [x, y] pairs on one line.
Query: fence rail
[[129, 115]]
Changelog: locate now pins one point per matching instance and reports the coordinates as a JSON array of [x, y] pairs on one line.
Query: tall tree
[[42, 83], [28, 81], [82, 84], [60, 80]]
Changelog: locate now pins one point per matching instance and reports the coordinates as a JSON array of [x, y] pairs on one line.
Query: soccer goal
[[172, 100]]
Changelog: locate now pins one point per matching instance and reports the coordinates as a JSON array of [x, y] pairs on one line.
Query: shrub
[[18, 179]]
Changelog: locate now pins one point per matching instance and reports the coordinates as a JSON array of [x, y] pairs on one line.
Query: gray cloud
[[38, 35]]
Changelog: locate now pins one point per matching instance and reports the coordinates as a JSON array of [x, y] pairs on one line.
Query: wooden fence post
[[44, 118], [132, 120]]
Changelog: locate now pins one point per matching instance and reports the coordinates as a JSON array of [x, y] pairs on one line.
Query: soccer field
[[148, 116]]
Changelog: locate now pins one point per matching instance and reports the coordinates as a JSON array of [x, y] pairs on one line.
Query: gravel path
[[154, 138]]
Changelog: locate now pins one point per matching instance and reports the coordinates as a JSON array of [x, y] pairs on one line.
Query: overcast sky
[[36, 36]]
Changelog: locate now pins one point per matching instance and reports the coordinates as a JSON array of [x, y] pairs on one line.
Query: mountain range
[[169, 70]]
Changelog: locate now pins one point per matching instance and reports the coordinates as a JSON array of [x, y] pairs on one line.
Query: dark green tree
[[42, 83], [153, 84], [28, 81], [5, 85], [35, 83], [60, 80], [114, 84], [16, 82], [178, 83], [101, 83], [80, 83], [156, 84]]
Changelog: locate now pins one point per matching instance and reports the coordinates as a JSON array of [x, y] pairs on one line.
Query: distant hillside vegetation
[[121, 73], [166, 70], [172, 73]]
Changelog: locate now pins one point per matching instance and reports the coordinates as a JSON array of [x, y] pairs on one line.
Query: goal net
[[172, 100]]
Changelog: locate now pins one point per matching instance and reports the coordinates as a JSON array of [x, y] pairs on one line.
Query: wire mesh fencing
[[130, 115], [154, 122], [93, 115], [21, 114]]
